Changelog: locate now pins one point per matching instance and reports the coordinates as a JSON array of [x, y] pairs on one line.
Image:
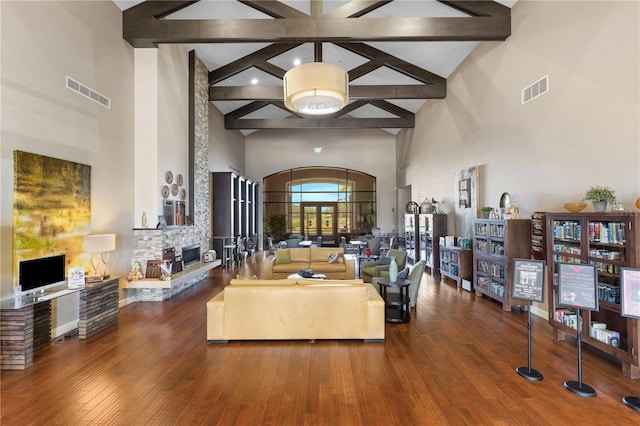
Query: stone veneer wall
[[201, 215]]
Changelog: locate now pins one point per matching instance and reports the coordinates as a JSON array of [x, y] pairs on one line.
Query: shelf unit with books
[[609, 241], [456, 263], [496, 242]]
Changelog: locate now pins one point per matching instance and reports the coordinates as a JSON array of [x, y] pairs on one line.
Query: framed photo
[[528, 280], [162, 222], [464, 193], [75, 277], [630, 292], [577, 286]]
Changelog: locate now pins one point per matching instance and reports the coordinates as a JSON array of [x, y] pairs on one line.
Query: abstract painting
[[51, 208]]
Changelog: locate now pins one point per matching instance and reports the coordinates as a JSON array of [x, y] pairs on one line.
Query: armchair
[[373, 269]]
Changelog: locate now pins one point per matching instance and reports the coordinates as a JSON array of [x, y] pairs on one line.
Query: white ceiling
[[440, 58]]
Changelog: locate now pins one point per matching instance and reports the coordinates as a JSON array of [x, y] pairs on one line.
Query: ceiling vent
[[538, 88], [85, 91]]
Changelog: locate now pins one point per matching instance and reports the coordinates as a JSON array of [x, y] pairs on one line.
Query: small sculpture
[[144, 219], [136, 272]]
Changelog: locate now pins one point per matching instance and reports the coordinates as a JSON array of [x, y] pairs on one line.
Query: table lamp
[[100, 247]]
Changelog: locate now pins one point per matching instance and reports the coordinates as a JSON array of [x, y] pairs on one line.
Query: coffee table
[[396, 304], [313, 277]]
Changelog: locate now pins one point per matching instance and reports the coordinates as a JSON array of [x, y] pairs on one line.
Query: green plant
[[277, 226], [600, 193], [486, 209]]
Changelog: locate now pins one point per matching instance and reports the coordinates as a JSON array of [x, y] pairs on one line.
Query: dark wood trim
[[320, 123], [192, 133]]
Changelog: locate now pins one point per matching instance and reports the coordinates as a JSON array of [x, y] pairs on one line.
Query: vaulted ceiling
[[398, 54]]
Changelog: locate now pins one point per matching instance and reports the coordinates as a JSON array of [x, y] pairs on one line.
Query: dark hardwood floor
[[454, 363]]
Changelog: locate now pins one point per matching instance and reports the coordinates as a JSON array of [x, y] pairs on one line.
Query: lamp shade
[[99, 243], [316, 88]]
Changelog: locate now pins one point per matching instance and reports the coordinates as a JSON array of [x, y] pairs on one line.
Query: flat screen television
[[37, 274]]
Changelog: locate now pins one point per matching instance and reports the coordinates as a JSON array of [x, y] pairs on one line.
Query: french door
[[320, 219]]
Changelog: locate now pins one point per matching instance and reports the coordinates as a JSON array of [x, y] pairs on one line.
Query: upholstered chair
[[379, 268]]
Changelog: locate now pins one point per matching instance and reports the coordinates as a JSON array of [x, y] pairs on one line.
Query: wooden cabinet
[[234, 209], [456, 263], [496, 242], [610, 242]]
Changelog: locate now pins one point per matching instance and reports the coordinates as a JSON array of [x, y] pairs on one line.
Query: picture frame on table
[[162, 222]]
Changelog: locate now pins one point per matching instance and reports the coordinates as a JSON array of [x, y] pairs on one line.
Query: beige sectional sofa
[[315, 258], [302, 309]]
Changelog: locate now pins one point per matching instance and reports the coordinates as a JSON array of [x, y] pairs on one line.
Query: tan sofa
[[296, 310], [315, 258]]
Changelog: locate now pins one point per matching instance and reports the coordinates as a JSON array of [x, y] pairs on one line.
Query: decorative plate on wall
[[179, 179], [183, 194], [165, 191], [174, 189], [168, 176]]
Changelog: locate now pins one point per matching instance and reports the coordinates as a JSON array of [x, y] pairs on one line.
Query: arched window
[[319, 201]]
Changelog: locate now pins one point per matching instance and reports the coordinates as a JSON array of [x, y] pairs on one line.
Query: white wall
[[368, 151], [42, 42], [583, 132], [226, 147]]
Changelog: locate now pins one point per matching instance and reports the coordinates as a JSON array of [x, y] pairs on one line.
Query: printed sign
[[577, 286], [528, 280], [75, 277], [630, 292]]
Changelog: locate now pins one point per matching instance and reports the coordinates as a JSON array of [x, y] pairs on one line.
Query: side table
[[396, 304]]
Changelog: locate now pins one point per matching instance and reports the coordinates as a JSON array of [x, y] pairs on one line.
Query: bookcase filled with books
[[496, 242], [455, 263], [610, 242]]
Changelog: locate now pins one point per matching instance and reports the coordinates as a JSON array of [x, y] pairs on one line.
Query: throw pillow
[[385, 260], [404, 274], [283, 256], [240, 277], [333, 257]]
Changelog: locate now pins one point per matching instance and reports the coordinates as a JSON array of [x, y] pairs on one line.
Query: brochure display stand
[[528, 284], [577, 288], [630, 307]]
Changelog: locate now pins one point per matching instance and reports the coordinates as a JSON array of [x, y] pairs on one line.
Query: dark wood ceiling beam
[[149, 32], [320, 123], [478, 8], [270, 69], [393, 62], [356, 9], [275, 9], [391, 108], [155, 9], [364, 92], [364, 69], [248, 61]]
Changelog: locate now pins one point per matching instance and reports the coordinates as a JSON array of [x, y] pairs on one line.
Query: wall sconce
[[100, 247]]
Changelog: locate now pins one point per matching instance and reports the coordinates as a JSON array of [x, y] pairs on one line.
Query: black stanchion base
[[632, 401], [580, 389], [529, 373]]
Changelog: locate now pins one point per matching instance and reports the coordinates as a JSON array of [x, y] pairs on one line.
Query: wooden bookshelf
[[456, 263], [610, 242], [496, 242]]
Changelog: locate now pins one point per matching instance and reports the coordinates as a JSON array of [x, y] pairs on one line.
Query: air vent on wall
[[536, 89], [88, 92]]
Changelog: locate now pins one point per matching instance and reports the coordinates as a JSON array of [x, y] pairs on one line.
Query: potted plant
[[600, 196], [485, 211]]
